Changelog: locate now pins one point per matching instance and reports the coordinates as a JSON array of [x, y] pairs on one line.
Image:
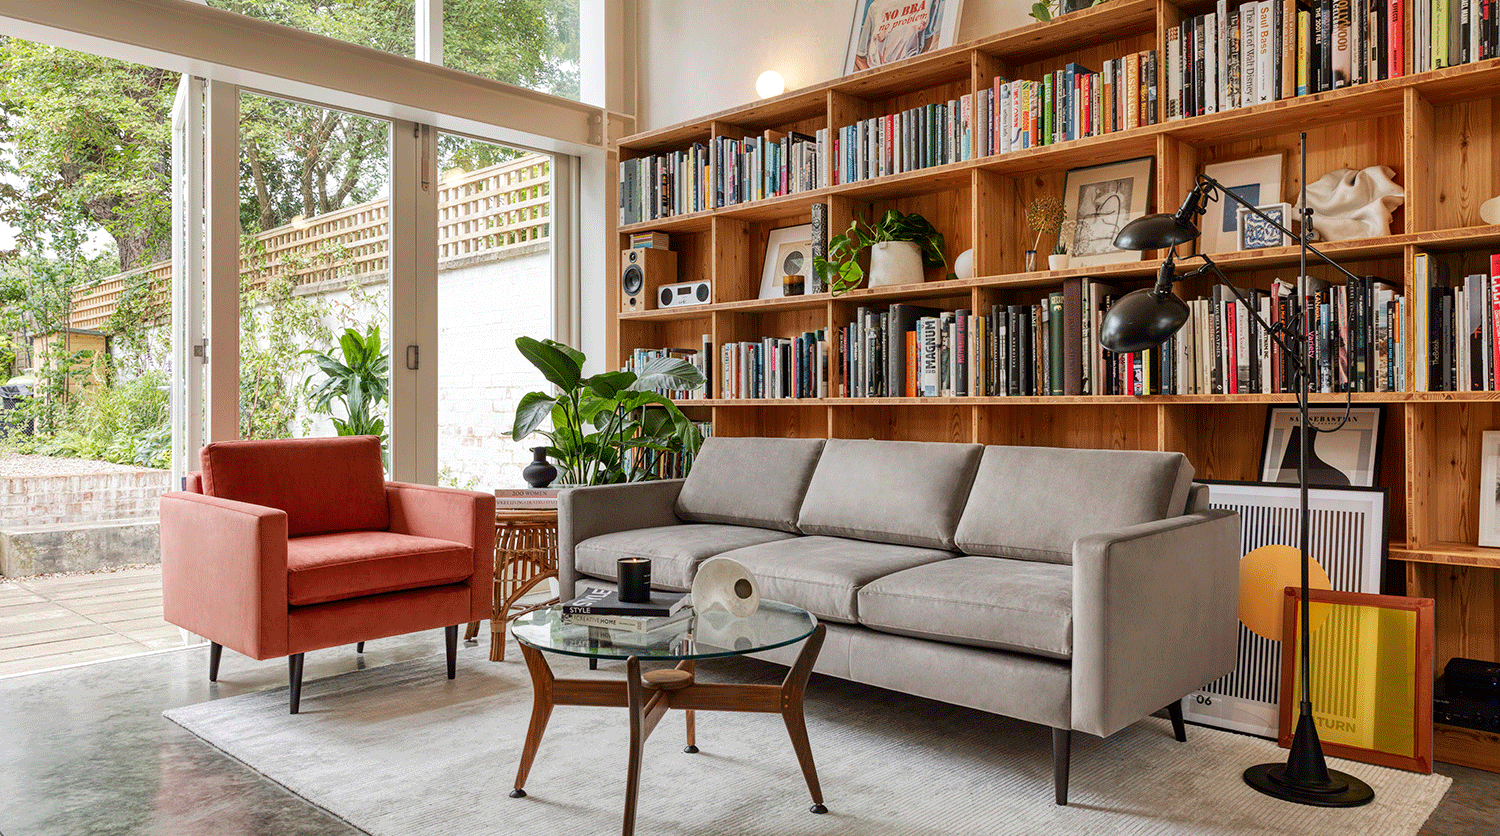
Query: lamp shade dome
[[1142, 319], [1155, 232]]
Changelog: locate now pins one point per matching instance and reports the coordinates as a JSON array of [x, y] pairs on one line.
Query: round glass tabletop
[[701, 636]]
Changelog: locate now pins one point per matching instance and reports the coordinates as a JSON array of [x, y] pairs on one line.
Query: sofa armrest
[[223, 572], [1155, 616], [604, 509], [459, 516]]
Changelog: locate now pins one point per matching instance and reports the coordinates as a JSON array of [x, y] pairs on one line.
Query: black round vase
[[540, 473]]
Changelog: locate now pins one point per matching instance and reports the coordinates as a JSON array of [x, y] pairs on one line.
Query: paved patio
[[50, 622]]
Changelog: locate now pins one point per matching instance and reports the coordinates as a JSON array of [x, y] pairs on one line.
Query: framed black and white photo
[[1257, 180], [1489, 489], [788, 253], [1346, 455], [1099, 201], [886, 31]]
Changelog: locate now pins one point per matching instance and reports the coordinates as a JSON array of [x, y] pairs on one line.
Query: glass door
[[187, 341]]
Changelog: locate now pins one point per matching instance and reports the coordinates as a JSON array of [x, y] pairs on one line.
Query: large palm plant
[[357, 381]]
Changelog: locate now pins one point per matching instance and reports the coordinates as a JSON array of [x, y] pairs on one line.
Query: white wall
[[702, 56]]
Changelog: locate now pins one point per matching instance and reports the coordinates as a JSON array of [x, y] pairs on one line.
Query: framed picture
[[1345, 457], [1489, 489], [885, 31], [1257, 180], [788, 253], [1256, 234], [1100, 200], [1348, 533], [1371, 676]]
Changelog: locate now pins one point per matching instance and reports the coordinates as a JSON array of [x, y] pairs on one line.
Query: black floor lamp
[[1144, 319]]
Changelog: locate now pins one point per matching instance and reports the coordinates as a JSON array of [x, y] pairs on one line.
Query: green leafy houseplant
[[842, 264], [357, 381], [1048, 9], [608, 428]]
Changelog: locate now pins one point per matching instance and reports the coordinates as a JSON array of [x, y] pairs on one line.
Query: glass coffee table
[[708, 635]]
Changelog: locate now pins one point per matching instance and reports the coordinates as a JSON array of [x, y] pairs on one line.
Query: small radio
[[686, 293]]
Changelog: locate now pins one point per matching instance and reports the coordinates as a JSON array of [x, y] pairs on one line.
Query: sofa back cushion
[[323, 484], [910, 493], [749, 481], [1033, 502]]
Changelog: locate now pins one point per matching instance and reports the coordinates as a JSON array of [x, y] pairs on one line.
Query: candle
[[635, 579]]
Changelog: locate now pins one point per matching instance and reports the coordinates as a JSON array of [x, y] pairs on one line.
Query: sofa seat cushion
[[749, 481], [905, 492], [1019, 605], [675, 550], [1034, 502], [823, 575], [353, 564]]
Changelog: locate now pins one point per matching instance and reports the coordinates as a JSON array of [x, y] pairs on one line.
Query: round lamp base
[[1342, 789]]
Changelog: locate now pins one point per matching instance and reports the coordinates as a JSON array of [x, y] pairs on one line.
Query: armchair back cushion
[[324, 485], [909, 493], [1033, 502], [749, 481]]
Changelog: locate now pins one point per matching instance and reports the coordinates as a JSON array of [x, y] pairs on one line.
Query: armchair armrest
[[223, 571], [459, 516], [1155, 615], [604, 509]]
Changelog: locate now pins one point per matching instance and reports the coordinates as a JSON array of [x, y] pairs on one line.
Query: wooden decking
[[52, 622]]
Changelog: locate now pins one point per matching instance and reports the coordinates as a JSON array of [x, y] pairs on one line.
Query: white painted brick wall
[[48, 500]]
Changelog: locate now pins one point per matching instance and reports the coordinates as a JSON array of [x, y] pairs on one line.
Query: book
[[628, 623], [596, 601], [526, 493]]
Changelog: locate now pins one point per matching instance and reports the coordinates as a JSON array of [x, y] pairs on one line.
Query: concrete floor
[[85, 751]]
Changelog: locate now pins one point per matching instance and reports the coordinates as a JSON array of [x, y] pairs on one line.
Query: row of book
[[723, 172], [670, 464], [776, 367], [700, 358], [1070, 103], [1458, 320]]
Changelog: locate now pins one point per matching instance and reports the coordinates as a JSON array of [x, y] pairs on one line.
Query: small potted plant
[[900, 247], [1044, 216], [1048, 9], [1058, 260]]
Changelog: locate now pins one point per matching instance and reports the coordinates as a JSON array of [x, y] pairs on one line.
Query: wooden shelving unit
[[1439, 130]]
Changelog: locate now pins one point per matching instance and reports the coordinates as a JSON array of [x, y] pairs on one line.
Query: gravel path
[[16, 466]]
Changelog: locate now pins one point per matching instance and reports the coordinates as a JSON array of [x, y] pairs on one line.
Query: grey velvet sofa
[[1076, 589]]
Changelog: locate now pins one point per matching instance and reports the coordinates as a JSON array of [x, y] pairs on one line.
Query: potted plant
[[1044, 216], [1058, 260], [610, 427], [1048, 9], [900, 247]]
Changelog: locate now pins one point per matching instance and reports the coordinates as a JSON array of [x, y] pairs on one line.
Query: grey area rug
[[402, 751]]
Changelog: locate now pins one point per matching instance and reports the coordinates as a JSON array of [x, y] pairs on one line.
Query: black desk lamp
[[1145, 319]]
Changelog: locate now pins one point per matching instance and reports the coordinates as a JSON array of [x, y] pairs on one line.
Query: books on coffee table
[[628, 623], [595, 601]]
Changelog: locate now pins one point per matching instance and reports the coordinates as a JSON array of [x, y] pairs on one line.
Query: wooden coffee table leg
[[541, 711], [692, 738], [792, 689], [635, 699]]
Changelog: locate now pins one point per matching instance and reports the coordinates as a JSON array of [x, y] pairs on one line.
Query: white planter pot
[[1057, 261], [895, 262]]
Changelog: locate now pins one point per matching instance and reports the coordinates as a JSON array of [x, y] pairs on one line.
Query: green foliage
[[1048, 9], [608, 428], [842, 264], [356, 381], [274, 322], [125, 423]]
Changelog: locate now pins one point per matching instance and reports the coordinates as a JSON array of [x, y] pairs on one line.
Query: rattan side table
[[525, 556]]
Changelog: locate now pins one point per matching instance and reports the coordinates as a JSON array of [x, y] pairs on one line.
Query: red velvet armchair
[[281, 547]]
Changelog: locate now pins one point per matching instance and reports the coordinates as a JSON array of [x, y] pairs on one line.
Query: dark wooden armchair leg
[[1179, 728], [294, 675], [215, 653], [1062, 742], [359, 648], [450, 634]]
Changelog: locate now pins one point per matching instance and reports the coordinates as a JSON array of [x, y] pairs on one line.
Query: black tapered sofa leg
[[294, 676], [450, 634], [359, 647], [215, 653], [1062, 743], [1179, 728]]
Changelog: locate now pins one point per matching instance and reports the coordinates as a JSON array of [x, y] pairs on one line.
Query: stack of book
[[1457, 319], [723, 172], [603, 609], [526, 499], [649, 240], [776, 367], [699, 358]]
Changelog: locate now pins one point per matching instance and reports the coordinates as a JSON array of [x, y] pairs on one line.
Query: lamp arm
[[1297, 353], [1204, 179]]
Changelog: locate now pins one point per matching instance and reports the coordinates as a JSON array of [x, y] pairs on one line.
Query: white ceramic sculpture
[[963, 266], [725, 584], [895, 262], [1489, 211], [1354, 204]]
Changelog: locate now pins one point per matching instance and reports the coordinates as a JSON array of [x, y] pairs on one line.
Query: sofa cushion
[[904, 492], [353, 564], [823, 575], [675, 550], [749, 481], [323, 484], [1033, 502], [1019, 605]]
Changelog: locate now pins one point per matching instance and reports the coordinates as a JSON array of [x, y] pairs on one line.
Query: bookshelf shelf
[[1435, 129]]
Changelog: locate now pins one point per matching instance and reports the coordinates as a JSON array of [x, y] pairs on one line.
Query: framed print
[[1099, 201], [1371, 676], [1348, 536], [1346, 457], [1256, 234], [885, 31], [788, 253], [1489, 489], [1257, 180]]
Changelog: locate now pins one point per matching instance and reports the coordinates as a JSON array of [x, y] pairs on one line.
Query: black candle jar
[[635, 579]]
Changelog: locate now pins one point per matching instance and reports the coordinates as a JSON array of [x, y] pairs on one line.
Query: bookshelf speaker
[[642, 271]]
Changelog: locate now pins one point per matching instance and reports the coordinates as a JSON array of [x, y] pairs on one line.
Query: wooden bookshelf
[[1439, 130]]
